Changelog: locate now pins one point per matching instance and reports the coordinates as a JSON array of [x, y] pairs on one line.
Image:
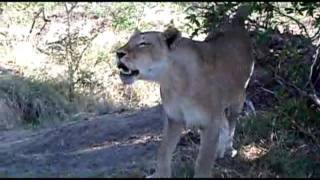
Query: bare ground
[[104, 146], [114, 145]]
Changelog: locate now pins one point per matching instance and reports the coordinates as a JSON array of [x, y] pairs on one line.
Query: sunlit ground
[[251, 152]]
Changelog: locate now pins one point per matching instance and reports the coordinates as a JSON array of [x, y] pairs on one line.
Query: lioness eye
[[142, 44]]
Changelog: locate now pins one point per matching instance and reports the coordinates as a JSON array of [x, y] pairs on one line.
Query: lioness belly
[[185, 110]]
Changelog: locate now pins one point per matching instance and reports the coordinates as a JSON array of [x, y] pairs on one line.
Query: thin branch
[[45, 22], [67, 49], [267, 90], [87, 46], [315, 60], [43, 51], [316, 35], [3, 34], [35, 18], [41, 11], [60, 41], [73, 5]]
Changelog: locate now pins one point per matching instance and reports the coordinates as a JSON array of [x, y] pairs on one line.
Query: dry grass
[[24, 100]]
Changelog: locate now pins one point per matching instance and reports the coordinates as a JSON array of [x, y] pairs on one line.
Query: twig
[[87, 46], [35, 18], [316, 35], [83, 51], [314, 65], [45, 22], [3, 34], [43, 51], [73, 5], [315, 60], [267, 90]]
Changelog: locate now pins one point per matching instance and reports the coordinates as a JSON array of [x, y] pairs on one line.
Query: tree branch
[[45, 22], [315, 60], [277, 10]]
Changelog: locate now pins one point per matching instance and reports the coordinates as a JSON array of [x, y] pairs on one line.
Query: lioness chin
[[199, 81]]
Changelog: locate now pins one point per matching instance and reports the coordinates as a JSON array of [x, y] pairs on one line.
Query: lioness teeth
[[126, 72]]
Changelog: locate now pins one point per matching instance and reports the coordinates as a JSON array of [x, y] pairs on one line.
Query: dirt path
[[109, 145], [115, 145]]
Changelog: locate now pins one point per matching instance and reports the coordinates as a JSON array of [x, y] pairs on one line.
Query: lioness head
[[145, 54]]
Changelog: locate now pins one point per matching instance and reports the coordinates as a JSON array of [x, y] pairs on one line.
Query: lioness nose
[[120, 54]]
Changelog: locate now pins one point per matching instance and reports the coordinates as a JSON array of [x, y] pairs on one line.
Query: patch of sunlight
[[95, 148], [252, 151], [26, 55], [139, 140], [144, 139]]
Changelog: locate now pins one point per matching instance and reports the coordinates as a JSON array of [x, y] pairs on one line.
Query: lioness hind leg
[[171, 136]]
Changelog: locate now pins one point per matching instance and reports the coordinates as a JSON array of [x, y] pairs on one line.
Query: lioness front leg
[[233, 115], [208, 145], [224, 139], [171, 136]]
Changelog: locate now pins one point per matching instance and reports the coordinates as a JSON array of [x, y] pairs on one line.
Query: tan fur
[[199, 81]]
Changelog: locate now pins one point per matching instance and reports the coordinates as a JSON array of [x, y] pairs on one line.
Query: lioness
[[202, 84]]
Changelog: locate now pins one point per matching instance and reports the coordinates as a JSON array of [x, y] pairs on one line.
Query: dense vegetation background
[[57, 64]]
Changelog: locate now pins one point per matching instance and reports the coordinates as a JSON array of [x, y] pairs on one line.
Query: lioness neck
[[181, 74]]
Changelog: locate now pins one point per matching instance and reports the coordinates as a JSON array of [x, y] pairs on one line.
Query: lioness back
[[226, 61]]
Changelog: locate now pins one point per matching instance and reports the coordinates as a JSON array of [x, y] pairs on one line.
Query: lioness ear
[[171, 34]]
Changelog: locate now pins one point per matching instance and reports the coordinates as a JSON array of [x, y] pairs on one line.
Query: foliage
[[289, 126], [70, 50], [213, 14], [128, 20], [28, 9]]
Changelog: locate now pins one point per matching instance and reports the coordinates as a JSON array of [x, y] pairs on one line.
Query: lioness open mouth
[[125, 71], [127, 75]]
